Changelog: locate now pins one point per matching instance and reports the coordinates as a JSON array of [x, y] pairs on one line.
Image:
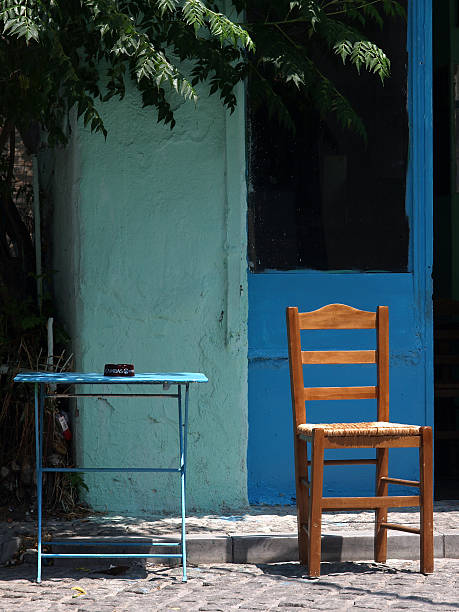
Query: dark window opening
[[320, 198]]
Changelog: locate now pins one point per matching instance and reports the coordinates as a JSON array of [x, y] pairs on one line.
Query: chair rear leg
[[302, 497], [426, 494], [315, 503], [382, 469]]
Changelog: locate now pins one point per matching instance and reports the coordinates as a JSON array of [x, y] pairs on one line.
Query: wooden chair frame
[[309, 490]]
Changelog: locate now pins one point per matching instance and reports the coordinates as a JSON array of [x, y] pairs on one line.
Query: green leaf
[[166, 6], [194, 12], [364, 53]]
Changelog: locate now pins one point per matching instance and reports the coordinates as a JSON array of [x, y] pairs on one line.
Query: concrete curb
[[267, 549], [9, 547], [278, 548]]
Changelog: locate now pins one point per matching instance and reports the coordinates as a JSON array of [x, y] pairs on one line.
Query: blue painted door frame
[[408, 295]]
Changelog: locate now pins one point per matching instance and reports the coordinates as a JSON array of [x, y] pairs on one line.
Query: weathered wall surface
[[150, 259]]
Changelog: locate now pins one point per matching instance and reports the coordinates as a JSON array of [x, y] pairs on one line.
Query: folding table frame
[[42, 379]]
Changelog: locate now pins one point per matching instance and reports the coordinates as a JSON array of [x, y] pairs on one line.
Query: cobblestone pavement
[[280, 586], [253, 520]]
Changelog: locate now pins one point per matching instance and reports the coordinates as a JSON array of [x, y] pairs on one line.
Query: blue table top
[[73, 378]]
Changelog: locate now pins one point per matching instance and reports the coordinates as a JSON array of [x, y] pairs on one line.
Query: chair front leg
[[426, 494], [382, 469], [302, 497], [315, 502]]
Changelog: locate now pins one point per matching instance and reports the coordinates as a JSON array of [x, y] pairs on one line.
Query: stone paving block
[[209, 549], [359, 547], [9, 546], [347, 548], [264, 549], [452, 544], [254, 606], [406, 546]]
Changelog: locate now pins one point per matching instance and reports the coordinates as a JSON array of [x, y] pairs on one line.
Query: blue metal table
[[167, 380]]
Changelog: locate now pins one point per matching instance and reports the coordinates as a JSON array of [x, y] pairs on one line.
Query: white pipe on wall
[[37, 220], [50, 360]]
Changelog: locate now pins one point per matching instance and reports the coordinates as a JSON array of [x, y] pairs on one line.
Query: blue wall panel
[[270, 453], [409, 297]]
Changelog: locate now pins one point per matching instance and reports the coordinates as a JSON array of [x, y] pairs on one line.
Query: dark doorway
[[446, 257]]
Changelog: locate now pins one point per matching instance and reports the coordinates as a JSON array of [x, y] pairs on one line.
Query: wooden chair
[[380, 435]]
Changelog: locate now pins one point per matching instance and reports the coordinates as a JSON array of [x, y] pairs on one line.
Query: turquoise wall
[[150, 259]]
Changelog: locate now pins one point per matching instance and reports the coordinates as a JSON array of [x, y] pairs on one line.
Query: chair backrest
[[338, 316]]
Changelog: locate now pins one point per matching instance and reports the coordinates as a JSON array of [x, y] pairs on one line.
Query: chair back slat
[[332, 357], [337, 316], [340, 393]]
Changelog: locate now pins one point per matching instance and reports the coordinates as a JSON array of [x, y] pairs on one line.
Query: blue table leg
[[39, 404], [183, 431]]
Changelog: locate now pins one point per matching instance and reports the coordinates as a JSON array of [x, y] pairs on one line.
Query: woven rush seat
[[375, 428]]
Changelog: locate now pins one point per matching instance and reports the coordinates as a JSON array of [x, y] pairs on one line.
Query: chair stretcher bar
[[396, 527], [370, 503]]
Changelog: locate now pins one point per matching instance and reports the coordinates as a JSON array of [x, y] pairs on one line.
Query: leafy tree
[[292, 37], [56, 55]]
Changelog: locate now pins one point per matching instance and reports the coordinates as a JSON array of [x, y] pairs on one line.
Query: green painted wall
[[150, 260]]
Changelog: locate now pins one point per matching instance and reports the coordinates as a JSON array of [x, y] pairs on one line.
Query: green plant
[[293, 38], [57, 54], [74, 485]]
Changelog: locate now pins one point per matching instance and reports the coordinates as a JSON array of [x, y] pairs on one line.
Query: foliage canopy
[[56, 55], [52, 51]]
